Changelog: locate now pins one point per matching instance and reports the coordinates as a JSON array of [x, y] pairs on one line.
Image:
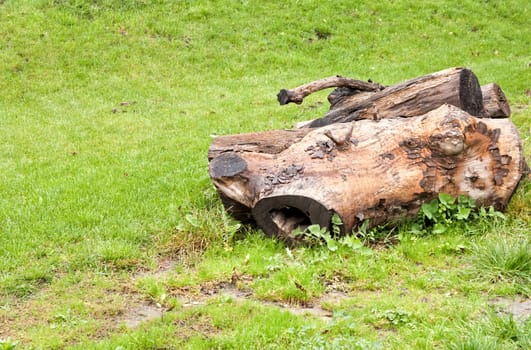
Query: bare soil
[[236, 289], [519, 308]]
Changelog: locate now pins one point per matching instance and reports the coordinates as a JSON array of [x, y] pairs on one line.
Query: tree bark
[[271, 142], [455, 86], [298, 94], [366, 170], [495, 103]]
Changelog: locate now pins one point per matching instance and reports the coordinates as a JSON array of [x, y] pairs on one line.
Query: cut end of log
[[495, 103], [470, 93], [279, 216], [285, 96], [227, 165]]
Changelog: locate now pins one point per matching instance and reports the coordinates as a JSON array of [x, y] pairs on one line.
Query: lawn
[[113, 237]]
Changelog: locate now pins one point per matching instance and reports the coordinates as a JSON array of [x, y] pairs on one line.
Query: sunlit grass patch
[[107, 112], [493, 332], [505, 260]]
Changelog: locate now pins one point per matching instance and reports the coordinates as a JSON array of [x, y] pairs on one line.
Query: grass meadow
[[113, 237]]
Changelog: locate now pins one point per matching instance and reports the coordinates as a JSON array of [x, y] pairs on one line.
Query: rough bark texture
[[298, 94], [495, 103], [271, 142], [455, 86], [365, 170]]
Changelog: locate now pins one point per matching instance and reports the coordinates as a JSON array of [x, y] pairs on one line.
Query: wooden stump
[[365, 170]]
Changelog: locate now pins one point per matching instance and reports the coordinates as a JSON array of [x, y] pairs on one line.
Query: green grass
[[107, 109], [506, 260]]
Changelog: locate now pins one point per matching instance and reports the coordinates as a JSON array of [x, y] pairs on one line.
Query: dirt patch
[[164, 267], [242, 295], [520, 309], [190, 298], [311, 309], [236, 289], [142, 313], [195, 325]]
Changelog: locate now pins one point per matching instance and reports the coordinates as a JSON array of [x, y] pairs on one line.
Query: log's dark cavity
[[281, 215], [289, 219]]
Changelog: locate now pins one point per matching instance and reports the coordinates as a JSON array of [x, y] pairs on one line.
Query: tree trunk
[[366, 170], [455, 86]]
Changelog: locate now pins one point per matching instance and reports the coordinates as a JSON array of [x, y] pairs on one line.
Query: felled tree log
[[455, 86], [366, 170], [495, 103]]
